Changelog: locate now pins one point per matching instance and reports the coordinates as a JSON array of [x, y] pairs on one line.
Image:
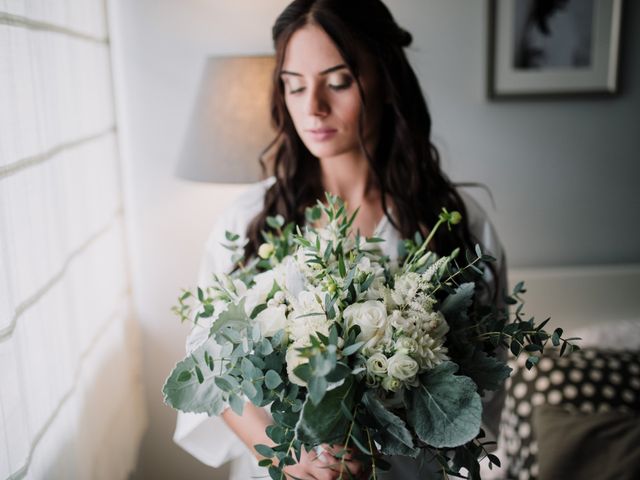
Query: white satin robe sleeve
[[209, 439]]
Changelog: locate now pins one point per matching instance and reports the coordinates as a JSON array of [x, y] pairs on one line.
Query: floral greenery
[[349, 348]]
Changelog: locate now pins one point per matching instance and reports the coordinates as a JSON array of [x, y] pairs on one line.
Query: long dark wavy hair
[[405, 165]]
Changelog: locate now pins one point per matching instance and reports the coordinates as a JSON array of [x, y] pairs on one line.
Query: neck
[[348, 177]]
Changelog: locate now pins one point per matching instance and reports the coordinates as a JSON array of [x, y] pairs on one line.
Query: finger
[[319, 454], [338, 451], [345, 470], [300, 476]]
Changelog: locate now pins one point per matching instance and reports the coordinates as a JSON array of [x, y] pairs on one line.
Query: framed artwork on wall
[[553, 47]]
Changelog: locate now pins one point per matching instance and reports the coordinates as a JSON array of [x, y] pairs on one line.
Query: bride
[[351, 120]]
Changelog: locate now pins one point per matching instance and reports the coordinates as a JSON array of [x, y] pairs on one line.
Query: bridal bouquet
[[349, 348]]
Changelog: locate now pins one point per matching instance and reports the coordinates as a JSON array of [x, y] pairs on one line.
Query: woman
[[351, 120]]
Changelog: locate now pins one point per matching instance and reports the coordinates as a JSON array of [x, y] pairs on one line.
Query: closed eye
[[343, 82], [342, 86]]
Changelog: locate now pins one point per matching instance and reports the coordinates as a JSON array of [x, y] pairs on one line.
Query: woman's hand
[[325, 466]]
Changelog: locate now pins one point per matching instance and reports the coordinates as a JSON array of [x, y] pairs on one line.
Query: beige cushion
[[594, 446]]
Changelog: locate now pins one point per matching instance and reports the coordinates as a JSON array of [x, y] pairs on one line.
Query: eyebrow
[[323, 72]]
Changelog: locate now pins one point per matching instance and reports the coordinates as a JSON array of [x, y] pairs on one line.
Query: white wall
[[562, 172]]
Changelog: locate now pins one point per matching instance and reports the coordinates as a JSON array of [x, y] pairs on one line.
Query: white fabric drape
[[71, 401]]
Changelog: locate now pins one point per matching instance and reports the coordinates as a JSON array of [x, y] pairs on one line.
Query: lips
[[320, 134]]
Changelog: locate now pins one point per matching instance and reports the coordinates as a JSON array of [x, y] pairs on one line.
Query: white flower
[[431, 352], [406, 345], [293, 359], [376, 289], [402, 367], [265, 250], [406, 287], [377, 364], [307, 317], [278, 299], [391, 384], [290, 276], [431, 271], [371, 317], [435, 325], [272, 319], [257, 294], [401, 322]]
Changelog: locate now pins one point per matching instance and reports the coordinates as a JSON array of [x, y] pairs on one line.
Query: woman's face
[[322, 96]]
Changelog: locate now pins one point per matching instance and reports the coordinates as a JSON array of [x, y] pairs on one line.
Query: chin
[[326, 150]]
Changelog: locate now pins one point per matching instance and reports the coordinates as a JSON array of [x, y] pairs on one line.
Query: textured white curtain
[[71, 401]]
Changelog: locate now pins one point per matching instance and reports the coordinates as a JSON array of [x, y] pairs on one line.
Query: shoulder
[[239, 213], [235, 219], [481, 226], [486, 235], [252, 198]]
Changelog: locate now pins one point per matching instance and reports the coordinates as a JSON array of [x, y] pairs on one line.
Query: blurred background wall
[[71, 399], [563, 174]]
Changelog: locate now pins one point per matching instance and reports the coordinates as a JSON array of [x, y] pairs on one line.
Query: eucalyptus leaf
[[489, 373], [317, 389], [237, 403], [248, 388], [326, 422], [351, 349], [264, 450], [265, 347], [396, 437], [272, 379], [445, 410], [249, 371]]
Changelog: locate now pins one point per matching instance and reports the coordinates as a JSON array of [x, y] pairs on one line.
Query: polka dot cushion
[[588, 380]]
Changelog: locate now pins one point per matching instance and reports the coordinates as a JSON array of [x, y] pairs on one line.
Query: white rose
[[294, 359], [272, 319], [402, 366], [377, 364], [371, 317]]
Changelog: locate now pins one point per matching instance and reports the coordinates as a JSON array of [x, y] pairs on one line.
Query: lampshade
[[229, 127]]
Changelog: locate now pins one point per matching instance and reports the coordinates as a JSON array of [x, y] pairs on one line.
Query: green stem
[[451, 277], [424, 245], [282, 477], [346, 444], [373, 458]]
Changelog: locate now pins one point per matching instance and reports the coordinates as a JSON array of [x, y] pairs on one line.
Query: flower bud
[[391, 384], [265, 250], [455, 217]]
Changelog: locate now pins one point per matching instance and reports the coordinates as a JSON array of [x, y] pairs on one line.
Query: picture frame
[[553, 48]]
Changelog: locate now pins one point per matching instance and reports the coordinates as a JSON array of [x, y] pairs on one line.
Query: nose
[[316, 103]]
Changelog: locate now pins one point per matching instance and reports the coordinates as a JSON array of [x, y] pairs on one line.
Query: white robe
[[208, 438]]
